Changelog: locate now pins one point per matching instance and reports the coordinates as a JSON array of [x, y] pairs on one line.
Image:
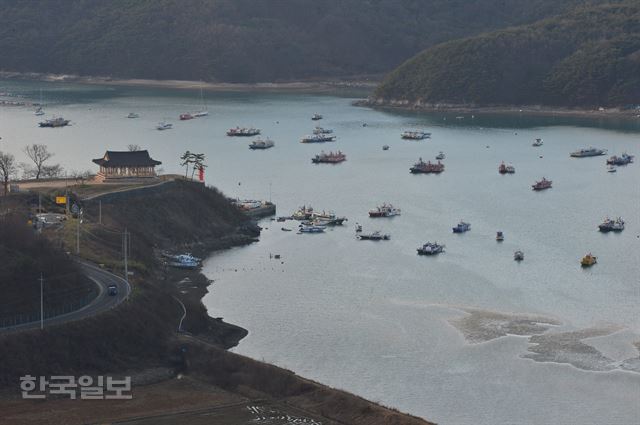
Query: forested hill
[[242, 40], [589, 56]]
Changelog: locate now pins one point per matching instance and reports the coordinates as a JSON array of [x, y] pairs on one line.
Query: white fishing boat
[[415, 135], [320, 130], [261, 144], [164, 126], [318, 138], [203, 112], [384, 210]]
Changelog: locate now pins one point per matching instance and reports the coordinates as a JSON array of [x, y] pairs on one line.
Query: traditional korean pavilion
[[119, 165]]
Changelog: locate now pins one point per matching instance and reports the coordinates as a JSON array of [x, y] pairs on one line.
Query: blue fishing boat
[[311, 228]]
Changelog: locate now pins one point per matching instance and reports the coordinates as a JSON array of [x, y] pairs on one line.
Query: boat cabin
[[121, 165]]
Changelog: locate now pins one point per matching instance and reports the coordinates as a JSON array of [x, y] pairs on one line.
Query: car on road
[[112, 290]]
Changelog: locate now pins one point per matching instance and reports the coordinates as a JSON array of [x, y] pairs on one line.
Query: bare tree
[[133, 148], [52, 171], [8, 169], [39, 154]]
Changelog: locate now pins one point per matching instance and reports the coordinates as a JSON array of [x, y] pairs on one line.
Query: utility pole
[[66, 193], [126, 268], [100, 211], [78, 233], [39, 203], [41, 303]]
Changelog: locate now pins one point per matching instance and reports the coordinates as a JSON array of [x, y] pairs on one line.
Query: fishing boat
[[183, 261], [542, 184], [318, 138], [164, 126], [611, 169], [186, 116], [623, 159], [506, 169], [320, 130], [261, 144], [316, 117], [430, 249], [303, 213], [499, 236], [440, 156], [284, 229], [588, 260], [329, 158], [415, 135], [428, 167], [204, 111], [537, 142], [385, 147], [611, 225], [583, 153], [518, 255], [243, 132], [384, 210], [311, 228], [462, 227], [133, 115], [373, 236], [358, 227], [328, 218], [54, 122]]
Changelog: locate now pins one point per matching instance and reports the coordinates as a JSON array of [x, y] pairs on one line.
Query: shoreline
[[535, 110], [316, 86]]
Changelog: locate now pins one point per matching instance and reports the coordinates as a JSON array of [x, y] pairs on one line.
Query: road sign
[[61, 200]]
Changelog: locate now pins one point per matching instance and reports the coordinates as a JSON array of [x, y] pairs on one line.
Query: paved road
[[101, 303], [124, 189]]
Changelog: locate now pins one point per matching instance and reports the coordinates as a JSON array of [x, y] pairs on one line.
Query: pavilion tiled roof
[[126, 159]]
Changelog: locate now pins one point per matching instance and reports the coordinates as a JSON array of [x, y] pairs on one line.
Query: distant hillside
[[589, 56], [242, 40]]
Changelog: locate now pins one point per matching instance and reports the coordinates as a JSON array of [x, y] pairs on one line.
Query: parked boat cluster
[[311, 222]]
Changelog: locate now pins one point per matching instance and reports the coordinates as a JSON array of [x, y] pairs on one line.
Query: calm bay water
[[374, 318]]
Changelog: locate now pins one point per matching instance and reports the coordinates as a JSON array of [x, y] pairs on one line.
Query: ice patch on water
[[569, 348], [481, 326], [632, 364]]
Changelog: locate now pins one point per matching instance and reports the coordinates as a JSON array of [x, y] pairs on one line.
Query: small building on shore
[[126, 165]]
